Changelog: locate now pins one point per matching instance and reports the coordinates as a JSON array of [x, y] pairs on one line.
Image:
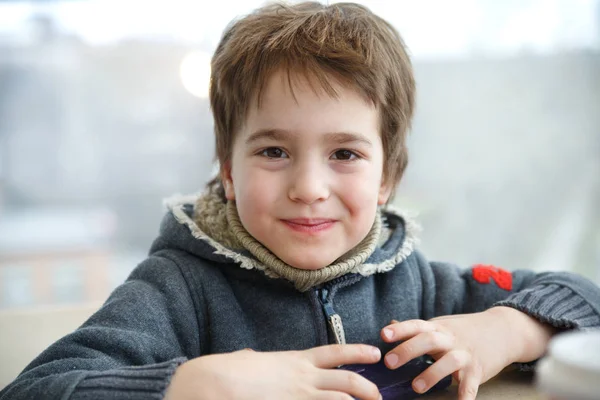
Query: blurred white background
[[103, 113]]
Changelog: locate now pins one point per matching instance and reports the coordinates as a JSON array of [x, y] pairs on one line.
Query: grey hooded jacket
[[193, 297]]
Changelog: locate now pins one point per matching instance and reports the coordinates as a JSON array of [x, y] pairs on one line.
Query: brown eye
[[274, 152], [344, 155]]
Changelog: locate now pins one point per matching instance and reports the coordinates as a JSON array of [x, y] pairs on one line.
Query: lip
[[309, 225]]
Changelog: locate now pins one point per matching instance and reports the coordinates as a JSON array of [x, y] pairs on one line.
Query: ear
[[227, 181], [385, 191]]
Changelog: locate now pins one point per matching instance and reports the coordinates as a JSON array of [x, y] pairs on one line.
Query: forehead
[[300, 103]]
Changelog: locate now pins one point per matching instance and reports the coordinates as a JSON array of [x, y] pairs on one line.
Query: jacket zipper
[[333, 318]]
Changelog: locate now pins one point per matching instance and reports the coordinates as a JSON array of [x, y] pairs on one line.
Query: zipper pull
[[333, 319], [335, 324]]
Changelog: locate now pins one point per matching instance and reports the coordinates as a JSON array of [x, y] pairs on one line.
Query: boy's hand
[[247, 374], [471, 347]]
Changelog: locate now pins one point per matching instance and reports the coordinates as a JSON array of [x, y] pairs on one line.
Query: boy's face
[[306, 172]]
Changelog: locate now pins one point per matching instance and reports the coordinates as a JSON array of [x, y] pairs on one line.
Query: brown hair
[[345, 41]]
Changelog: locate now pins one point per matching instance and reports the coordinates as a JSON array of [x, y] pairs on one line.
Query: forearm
[[194, 378], [531, 336]]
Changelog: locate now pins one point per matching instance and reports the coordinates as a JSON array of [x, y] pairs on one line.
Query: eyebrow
[[267, 134], [281, 134]]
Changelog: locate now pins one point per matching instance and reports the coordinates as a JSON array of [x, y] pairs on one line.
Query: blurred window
[[103, 113]]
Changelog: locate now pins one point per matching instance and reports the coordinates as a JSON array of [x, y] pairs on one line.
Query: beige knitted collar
[[304, 279], [218, 223], [221, 221]]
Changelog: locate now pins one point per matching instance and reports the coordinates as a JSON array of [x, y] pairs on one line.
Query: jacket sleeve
[[562, 299], [129, 349]]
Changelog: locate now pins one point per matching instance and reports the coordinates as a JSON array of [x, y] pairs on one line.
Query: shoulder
[[175, 269], [158, 269]]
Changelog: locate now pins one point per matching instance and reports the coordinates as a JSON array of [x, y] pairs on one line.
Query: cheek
[[360, 191], [361, 201], [255, 191]]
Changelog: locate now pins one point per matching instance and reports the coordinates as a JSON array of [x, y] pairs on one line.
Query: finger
[[331, 356], [331, 395], [348, 382], [405, 329], [448, 364], [451, 316], [424, 343], [469, 385]]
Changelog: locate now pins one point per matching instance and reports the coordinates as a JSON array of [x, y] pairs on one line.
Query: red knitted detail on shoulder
[[483, 274]]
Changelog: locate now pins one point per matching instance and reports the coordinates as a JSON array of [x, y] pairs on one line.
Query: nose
[[308, 184]]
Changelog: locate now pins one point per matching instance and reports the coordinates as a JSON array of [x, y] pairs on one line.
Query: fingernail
[[376, 352], [419, 385], [391, 359], [388, 333]]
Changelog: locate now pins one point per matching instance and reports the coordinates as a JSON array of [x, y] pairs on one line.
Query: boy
[[252, 289]]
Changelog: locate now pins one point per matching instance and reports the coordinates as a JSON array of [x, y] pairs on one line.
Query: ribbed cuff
[[129, 383], [554, 304]]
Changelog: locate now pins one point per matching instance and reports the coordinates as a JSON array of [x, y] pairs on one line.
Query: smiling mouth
[[309, 225]]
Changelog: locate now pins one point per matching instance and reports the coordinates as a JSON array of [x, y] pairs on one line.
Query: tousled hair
[[343, 41]]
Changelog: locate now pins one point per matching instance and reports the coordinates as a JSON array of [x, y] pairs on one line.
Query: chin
[[306, 264]]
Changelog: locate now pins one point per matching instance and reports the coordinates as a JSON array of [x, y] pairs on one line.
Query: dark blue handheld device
[[397, 384]]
